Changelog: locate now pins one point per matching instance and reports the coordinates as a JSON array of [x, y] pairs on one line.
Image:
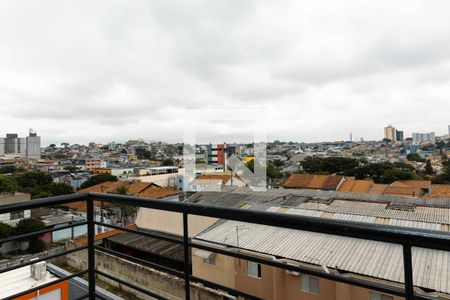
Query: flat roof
[[20, 280]]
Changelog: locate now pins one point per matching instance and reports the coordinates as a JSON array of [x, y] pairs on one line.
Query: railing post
[[187, 275], [91, 251], [408, 269]]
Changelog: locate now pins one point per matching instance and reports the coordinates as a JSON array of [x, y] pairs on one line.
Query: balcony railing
[[405, 237]]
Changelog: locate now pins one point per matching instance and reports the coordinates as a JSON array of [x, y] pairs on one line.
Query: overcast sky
[[81, 71]]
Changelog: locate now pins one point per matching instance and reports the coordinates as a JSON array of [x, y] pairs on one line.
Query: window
[[376, 296], [253, 269], [310, 284], [17, 215], [210, 260]]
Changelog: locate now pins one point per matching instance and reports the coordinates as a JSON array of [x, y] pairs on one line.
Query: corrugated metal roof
[[150, 245], [370, 258], [353, 218]]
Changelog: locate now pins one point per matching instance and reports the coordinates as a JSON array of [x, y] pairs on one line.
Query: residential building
[[419, 138], [13, 145], [390, 133], [314, 182], [33, 147], [214, 182], [91, 164], [29, 277], [219, 153], [399, 135], [320, 252]]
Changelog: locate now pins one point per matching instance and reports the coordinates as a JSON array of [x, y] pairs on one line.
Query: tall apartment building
[[219, 153], [400, 135], [33, 148], [423, 137], [390, 133], [29, 147]]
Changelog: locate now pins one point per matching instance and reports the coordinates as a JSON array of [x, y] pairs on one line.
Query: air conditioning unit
[[39, 270]]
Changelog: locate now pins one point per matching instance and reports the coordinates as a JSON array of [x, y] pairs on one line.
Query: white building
[[419, 138], [14, 146], [29, 277], [33, 146]]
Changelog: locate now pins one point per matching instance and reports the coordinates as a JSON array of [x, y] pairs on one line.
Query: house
[[369, 261], [315, 182]]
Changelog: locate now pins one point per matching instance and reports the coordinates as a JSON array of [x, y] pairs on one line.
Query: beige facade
[[171, 222], [390, 133], [274, 283]]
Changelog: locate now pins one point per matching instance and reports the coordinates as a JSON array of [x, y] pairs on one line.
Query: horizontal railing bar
[[43, 202], [376, 232], [81, 297], [41, 259], [143, 233], [135, 287], [77, 274], [173, 272], [304, 270], [41, 232], [210, 284], [141, 261], [100, 296]]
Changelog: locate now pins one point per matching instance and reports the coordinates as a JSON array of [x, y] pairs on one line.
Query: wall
[[169, 286], [171, 222], [222, 272], [275, 283]]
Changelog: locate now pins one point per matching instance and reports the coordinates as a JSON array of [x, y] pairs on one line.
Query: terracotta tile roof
[[356, 186], [331, 182], [347, 186], [298, 181], [378, 189], [439, 191], [317, 181], [105, 187], [362, 186], [158, 192], [401, 191], [139, 189], [103, 235], [224, 177], [310, 181], [421, 184]]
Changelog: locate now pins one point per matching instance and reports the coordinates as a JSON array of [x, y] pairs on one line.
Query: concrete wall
[[167, 285], [222, 272], [171, 222], [275, 283]]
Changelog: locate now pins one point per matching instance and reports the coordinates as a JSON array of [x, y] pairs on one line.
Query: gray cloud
[[111, 70]]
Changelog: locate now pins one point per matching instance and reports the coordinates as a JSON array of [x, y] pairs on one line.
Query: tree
[[167, 162], [125, 210], [7, 184], [142, 153], [8, 169], [99, 178], [329, 165], [25, 226], [428, 168], [5, 230], [415, 157], [278, 163], [62, 188]]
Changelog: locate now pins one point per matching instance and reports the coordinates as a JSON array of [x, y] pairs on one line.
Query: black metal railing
[[405, 237]]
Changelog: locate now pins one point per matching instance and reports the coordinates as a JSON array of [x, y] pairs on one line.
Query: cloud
[[116, 70]]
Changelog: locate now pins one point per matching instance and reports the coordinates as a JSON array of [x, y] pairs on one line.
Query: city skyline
[[117, 70]]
